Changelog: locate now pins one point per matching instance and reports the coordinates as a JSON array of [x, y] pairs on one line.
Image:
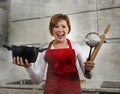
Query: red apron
[[62, 75]]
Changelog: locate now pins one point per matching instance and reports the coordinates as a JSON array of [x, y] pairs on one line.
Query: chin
[[62, 39]]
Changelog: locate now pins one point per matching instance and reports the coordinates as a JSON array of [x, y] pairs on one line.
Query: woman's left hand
[[89, 65]]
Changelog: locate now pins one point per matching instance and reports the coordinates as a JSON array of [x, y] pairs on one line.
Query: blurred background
[[25, 22]]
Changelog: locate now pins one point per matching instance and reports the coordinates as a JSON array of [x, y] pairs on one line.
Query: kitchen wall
[[29, 20], [3, 39], [3, 26]]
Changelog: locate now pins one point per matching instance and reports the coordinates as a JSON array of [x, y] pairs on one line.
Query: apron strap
[[69, 43], [49, 46]]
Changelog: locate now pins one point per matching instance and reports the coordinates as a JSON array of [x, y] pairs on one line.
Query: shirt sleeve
[[36, 72], [80, 55]]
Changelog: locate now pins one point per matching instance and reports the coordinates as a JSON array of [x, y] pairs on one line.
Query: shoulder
[[81, 49], [75, 45]]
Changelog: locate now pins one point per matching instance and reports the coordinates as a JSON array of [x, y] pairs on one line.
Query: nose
[[60, 28]]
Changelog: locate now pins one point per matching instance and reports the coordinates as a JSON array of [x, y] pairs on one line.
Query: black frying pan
[[29, 53]]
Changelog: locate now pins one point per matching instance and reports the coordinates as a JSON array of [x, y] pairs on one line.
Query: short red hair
[[56, 18]]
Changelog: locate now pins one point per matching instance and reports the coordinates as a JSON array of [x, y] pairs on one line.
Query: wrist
[[27, 66]]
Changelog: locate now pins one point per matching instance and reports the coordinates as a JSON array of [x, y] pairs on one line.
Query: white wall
[[3, 26], [3, 35]]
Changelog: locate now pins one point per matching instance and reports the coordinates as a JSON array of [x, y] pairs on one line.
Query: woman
[[62, 74]]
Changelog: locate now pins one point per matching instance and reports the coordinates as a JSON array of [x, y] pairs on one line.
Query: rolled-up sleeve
[[36, 72], [80, 55]]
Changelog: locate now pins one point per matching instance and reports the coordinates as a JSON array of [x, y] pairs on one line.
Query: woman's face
[[61, 30]]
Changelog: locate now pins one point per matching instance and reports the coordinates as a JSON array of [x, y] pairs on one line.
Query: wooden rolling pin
[[102, 39]]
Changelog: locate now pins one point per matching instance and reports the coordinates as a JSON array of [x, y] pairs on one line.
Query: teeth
[[60, 35]]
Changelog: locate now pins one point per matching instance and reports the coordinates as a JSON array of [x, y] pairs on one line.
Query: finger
[[21, 61], [89, 67], [14, 60], [18, 61], [89, 64], [26, 62]]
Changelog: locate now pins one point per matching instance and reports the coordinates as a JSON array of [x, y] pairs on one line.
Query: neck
[[60, 44]]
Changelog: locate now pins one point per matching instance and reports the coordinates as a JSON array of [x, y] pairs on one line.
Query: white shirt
[[37, 73]]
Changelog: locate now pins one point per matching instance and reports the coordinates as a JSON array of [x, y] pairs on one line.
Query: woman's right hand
[[19, 61]]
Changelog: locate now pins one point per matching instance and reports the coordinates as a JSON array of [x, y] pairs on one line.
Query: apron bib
[[62, 74]]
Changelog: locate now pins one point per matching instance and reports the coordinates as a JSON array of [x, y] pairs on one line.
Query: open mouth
[[60, 35]]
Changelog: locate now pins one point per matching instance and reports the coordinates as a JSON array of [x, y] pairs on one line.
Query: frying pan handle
[[7, 47], [42, 49]]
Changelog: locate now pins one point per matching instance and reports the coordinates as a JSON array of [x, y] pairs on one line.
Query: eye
[[56, 26], [63, 26]]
